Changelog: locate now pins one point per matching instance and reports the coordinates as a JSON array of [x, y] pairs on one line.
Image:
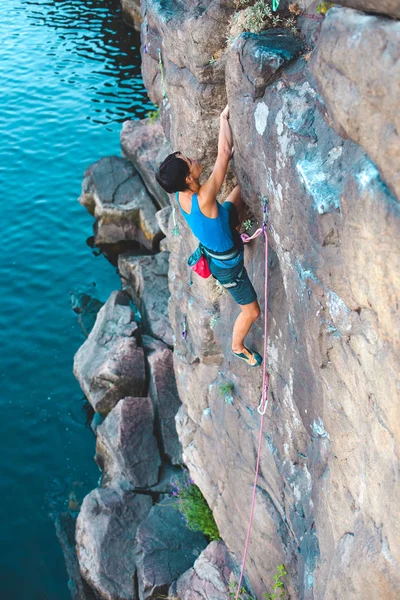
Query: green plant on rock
[[226, 391], [194, 509], [247, 224], [153, 115], [243, 594], [323, 7], [256, 15], [279, 586]]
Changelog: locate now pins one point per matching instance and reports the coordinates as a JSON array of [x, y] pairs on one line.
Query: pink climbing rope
[[264, 396]]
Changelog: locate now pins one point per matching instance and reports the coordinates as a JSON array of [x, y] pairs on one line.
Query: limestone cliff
[[315, 119]]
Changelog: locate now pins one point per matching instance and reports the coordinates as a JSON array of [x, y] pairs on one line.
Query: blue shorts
[[234, 278]]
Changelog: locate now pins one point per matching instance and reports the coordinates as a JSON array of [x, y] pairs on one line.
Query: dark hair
[[172, 173]]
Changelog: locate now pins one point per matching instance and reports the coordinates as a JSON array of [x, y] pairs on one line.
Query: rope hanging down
[[264, 396]]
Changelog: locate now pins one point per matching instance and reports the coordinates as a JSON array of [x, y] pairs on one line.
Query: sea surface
[[69, 77]]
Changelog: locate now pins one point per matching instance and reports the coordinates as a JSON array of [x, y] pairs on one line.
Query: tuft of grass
[[243, 594], [226, 391], [226, 388], [279, 586], [194, 508], [153, 115], [256, 15]]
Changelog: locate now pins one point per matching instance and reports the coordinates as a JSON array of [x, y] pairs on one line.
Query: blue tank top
[[214, 234]]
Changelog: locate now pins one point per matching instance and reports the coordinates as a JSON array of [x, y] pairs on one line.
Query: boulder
[[367, 108], [126, 447], [85, 304], [65, 523], [109, 365], [115, 195], [131, 13], [105, 532], [163, 217], [165, 549], [146, 279], [164, 394], [145, 145], [208, 578], [384, 7]]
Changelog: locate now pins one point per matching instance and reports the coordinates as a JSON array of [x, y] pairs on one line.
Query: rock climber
[[215, 226]]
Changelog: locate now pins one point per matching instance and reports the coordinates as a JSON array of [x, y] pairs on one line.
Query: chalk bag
[[199, 264]]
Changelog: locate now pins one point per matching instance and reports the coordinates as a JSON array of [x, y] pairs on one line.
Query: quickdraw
[[184, 332]]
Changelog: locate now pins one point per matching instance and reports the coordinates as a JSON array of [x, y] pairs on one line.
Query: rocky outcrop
[[65, 529], [105, 533], [109, 365], [165, 549], [366, 110], [131, 13], [385, 7], [145, 145], [164, 394], [331, 433], [126, 447], [85, 304], [146, 280], [208, 578], [114, 194]]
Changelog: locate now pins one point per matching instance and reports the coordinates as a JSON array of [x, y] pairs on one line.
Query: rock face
[[386, 7], [164, 394], [114, 194], [208, 578], [126, 447], [109, 365], [146, 279], [105, 533], [145, 145], [165, 549], [367, 109], [331, 436]]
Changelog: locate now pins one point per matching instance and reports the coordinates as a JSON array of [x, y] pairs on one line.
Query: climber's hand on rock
[[225, 113]]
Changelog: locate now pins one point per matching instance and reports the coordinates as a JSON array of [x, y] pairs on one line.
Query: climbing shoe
[[253, 359]]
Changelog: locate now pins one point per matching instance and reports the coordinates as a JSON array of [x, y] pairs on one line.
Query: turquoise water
[[70, 74]]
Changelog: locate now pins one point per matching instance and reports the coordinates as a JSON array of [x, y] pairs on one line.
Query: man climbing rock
[[215, 225]]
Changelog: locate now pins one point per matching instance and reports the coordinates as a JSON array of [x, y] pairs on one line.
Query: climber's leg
[[248, 315], [235, 198]]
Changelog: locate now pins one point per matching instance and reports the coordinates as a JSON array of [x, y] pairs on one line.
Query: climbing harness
[[264, 395]]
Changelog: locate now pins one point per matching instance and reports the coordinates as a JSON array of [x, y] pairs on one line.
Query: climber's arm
[[209, 190]]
